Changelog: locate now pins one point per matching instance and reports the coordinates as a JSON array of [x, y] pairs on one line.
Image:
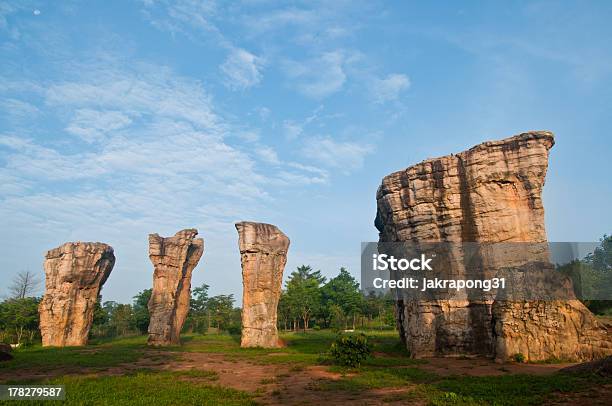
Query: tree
[[25, 284], [19, 317], [141, 310], [600, 262], [221, 309], [99, 324], [284, 310], [303, 293], [601, 258], [122, 319], [199, 319], [343, 292], [592, 277]]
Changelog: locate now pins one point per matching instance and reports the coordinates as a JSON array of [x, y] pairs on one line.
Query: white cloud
[[241, 69], [389, 88], [277, 19], [318, 77], [18, 108], [6, 10], [292, 129], [264, 113], [346, 156], [175, 16], [149, 91], [268, 155], [91, 125]]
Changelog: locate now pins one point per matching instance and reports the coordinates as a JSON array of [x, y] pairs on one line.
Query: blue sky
[[119, 119]]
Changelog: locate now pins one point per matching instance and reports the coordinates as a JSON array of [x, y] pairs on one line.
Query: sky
[[124, 118]]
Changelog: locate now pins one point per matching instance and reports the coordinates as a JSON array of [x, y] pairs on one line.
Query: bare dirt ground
[[278, 384]]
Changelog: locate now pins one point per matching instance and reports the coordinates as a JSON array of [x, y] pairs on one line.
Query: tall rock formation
[[263, 254], [74, 275], [173, 259], [490, 193]]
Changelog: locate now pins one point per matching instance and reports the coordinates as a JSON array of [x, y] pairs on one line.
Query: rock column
[[490, 193], [173, 260], [263, 253], [74, 275]]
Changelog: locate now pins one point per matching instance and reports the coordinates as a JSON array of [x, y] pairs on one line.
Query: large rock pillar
[[263, 254], [74, 275], [173, 259], [491, 193]]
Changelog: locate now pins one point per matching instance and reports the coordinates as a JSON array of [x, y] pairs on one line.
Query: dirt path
[[279, 384]]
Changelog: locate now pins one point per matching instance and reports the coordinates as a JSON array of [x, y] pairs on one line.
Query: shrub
[[518, 357], [350, 349], [234, 329]]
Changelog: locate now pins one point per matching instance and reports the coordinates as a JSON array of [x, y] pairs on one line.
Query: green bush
[[234, 329], [518, 357], [350, 349]]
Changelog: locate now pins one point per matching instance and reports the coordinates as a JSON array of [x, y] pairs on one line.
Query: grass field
[[213, 369]]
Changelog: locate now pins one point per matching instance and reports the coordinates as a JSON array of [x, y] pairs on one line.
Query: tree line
[[308, 301]]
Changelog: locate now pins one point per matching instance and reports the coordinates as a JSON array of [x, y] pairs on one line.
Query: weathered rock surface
[[263, 254], [74, 275], [173, 259], [490, 193]]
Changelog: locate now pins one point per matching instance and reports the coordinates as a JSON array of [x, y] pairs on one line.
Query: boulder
[[173, 261], [74, 275], [263, 254]]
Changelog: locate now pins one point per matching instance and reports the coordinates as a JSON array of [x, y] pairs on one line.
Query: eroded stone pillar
[[74, 275], [173, 260], [263, 254], [490, 193]]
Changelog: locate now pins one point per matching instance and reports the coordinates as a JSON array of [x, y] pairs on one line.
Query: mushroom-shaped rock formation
[[173, 260], [490, 193], [74, 275], [263, 254]]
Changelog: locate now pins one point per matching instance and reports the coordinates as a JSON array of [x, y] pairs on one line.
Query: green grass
[[103, 355], [301, 348], [147, 388], [391, 367], [507, 389], [461, 390], [377, 378]]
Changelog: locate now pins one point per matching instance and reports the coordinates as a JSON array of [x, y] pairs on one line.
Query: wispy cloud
[[241, 69], [292, 129], [18, 108], [191, 18], [318, 77], [389, 88], [267, 154], [344, 155], [153, 130], [92, 125]]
